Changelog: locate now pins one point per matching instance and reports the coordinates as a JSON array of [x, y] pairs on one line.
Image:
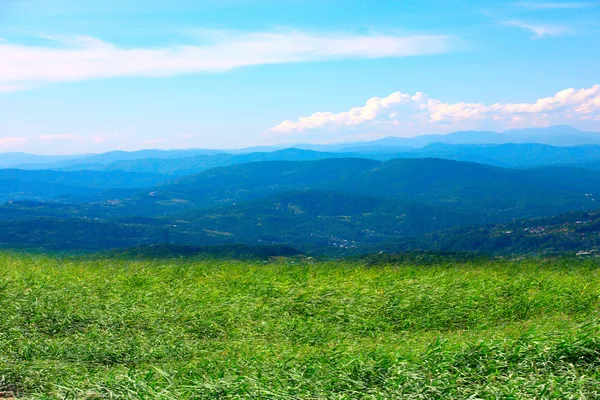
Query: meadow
[[94, 328]]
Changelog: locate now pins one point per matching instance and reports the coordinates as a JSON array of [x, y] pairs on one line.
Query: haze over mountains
[[559, 136], [458, 191]]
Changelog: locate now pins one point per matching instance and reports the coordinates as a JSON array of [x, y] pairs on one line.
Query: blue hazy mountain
[[554, 136], [31, 161], [502, 155], [8, 160], [199, 163], [464, 187], [47, 185]]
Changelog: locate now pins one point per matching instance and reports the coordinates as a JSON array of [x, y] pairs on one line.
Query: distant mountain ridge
[[199, 163], [553, 136], [497, 193], [559, 136], [12, 159], [30, 161]]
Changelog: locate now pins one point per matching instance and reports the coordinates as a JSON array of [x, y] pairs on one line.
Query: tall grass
[[77, 328]]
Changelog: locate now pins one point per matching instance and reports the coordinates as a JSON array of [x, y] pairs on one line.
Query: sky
[[93, 76]]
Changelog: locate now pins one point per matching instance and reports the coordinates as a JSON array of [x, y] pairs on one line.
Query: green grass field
[[77, 328]]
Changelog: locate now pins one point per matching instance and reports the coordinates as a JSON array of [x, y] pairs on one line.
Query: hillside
[[245, 182], [198, 163], [281, 221], [497, 192], [46, 185], [321, 206], [297, 329], [51, 162], [502, 155], [574, 233], [90, 179], [318, 219], [19, 190], [464, 187], [311, 220]]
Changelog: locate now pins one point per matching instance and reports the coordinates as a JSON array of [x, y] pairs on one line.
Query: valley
[[333, 203]]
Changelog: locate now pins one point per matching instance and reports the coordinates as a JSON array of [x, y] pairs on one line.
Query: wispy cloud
[[539, 30], [52, 138], [409, 115], [10, 87], [83, 58], [556, 5], [17, 142], [12, 142]]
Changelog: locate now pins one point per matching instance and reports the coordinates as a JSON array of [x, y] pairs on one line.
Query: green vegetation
[[237, 252], [497, 193], [373, 328], [340, 206], [46, 185], [318, 223], [574, 232]]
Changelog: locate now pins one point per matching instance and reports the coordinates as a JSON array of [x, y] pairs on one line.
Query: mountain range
[[322, 205], [557, 136], [386, 195]]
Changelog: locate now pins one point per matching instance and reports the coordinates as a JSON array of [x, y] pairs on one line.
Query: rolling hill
[[317, 218], [31, 161], [560, 135], [502, 155], [497, 193], [202, 162], [557, 136], [573, 232], [308, 219], [12, 159], [47, 185], [348, 203]]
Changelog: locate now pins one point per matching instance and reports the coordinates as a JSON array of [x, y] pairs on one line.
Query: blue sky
[[91, 76]]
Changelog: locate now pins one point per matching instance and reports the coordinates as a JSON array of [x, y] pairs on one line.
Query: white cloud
[[98, 139], [556, 5], [12, 142], [9, 87], [82, 58], [410, 115], [538, 30], [52, 138]]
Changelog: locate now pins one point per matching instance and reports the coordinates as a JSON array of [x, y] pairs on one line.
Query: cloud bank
[[83, 58], [409, 115]]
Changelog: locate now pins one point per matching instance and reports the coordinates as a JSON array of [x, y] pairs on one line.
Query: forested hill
[[575, 232], [322, 205], [48, 185], [496, 192]]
